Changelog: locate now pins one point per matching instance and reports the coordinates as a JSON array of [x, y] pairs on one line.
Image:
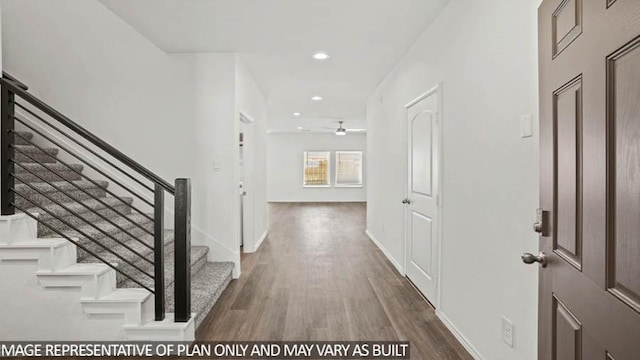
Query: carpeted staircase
[[208, 279]]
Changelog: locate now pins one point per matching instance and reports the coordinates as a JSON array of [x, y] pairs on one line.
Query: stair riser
[[74, 195], [34, 157], [198, 264], [46, 175], [88, 215], [108, 242]]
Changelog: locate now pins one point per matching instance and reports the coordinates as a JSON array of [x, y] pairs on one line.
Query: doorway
[[423, 193]]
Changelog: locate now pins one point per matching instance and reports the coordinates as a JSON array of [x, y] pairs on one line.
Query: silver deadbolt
[[537, 227], [541, 226], [529, 258]]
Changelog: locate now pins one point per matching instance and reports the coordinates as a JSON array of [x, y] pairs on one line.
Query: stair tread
[[90, 229], [77, 206], [206, 287], [26, 134], [135, 245], [34, 149], [197, 253], [35, 173], [62, 185], [49, 167]]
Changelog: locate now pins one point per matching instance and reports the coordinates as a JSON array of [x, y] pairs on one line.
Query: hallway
[[319, 277]]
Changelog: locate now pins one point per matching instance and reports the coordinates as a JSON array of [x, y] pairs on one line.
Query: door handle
[[529, 258], [406, 201]]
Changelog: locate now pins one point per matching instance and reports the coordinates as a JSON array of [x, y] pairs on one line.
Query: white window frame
[[304, 164], [361, 153]]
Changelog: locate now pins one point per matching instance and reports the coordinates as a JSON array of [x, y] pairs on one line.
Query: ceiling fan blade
[[356, 130]]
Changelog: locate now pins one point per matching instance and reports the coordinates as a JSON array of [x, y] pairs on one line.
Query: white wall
[[213, 133], [93, 67], [485, 54], [285, 162]]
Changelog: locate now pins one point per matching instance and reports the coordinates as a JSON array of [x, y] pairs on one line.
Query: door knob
[[406, 201], [529, 258]]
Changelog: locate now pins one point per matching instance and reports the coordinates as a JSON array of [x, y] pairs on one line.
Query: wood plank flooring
[[318, 276]]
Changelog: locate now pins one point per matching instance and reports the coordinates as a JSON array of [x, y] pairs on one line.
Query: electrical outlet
[[507, 331]]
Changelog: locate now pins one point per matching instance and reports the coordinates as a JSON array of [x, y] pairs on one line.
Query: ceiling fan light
[[341, 132]]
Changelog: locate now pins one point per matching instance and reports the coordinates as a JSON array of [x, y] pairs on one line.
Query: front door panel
[[589, 57]]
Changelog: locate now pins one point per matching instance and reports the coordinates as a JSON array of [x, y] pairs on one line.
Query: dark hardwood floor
[[317, 276]]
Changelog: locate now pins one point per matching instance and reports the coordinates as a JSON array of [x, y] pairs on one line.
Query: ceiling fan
[[341, 131]]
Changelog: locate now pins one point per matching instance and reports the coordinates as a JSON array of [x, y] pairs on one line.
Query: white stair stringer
[[17, 228], [50, 254], [124, 314], [95, 280]]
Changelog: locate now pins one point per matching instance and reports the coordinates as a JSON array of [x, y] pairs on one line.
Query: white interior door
[[422, 214]]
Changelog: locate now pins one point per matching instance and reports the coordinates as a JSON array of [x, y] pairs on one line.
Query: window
[[348, 168], [317, 168]]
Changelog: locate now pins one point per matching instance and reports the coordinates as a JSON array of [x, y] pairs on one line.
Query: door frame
[[248, 207], [437, 89]]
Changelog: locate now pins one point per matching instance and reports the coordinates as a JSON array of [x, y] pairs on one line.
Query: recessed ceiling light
[[300, 128], [316, 98], [296, 114], [320, 56]]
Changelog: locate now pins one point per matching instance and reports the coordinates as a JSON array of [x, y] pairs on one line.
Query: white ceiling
[[276, 38]]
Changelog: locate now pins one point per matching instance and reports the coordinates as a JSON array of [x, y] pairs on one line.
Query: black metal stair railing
[[35, 117]]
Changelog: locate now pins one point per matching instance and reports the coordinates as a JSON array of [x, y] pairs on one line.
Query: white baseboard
[[386, 253], [264, 236], [318, 201], [461, 338], [257, 244]]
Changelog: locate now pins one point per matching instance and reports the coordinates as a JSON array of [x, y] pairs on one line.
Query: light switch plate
[[216, 166], [526, 126]]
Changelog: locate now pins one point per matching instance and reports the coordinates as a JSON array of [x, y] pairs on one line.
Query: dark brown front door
[[589, 53]]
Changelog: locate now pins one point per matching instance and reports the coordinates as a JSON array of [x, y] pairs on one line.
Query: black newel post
[[158, 251], [7, 124], [182, 243]]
